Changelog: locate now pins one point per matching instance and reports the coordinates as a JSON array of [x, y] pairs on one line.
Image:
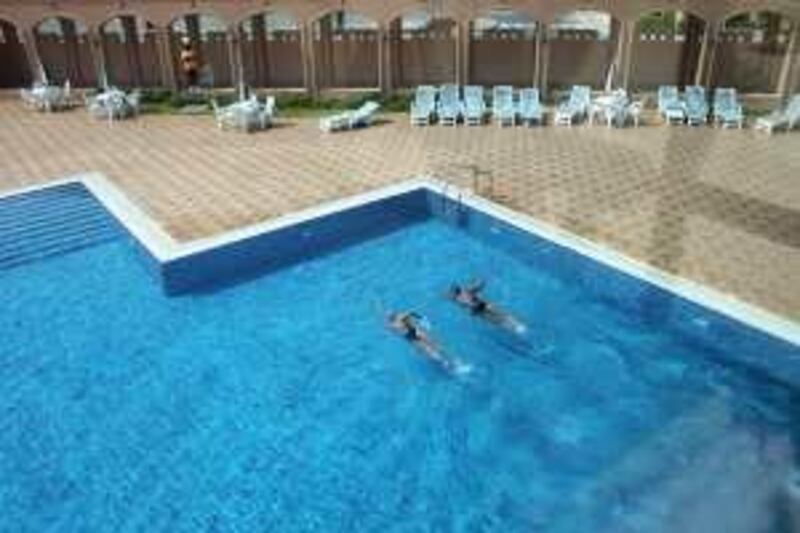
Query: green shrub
[[156, 96], [298, 104], [398, 103]]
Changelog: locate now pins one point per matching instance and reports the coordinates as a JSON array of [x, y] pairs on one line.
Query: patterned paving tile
[[718, 206]]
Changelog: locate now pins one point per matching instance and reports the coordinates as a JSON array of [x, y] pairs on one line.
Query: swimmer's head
[[455, 290]]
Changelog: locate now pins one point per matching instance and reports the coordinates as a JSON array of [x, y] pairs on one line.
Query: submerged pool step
[[14, 215], [46, 223], [52, 222], [53, 196]]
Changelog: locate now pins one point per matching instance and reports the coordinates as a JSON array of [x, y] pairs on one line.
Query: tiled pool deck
[[717, 206]]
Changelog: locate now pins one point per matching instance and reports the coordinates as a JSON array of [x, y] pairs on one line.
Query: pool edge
[[164, 249]]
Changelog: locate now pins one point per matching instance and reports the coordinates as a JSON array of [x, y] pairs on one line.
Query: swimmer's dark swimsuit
[[479, 306], [411, 333]]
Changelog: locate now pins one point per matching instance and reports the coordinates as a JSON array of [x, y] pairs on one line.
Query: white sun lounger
[[788, 118]]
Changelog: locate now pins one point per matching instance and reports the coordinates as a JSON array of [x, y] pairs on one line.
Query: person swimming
[[408, 325], [469, 296]]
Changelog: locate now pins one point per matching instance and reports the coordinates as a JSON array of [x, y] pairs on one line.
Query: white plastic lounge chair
[[338, 122], [360, 118], [504, 110], [727, 110], [245, 115], [530, 107], [696, 105], [450, 107], [788, 118], [670, 105], [423, 106], [364, 115], [474, 105], [668, 96], [575, 107]]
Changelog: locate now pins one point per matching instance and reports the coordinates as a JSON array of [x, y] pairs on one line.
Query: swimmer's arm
[[477, 286]]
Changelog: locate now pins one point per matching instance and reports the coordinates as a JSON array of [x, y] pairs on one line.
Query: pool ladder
[[481, 181], [452, 207]]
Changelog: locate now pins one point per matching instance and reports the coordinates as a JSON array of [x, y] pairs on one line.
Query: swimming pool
[[281, 402]]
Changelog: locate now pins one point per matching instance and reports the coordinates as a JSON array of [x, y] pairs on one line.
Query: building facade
[[387, 45]]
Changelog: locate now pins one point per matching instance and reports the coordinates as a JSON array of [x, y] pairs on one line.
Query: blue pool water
[[282, 403]]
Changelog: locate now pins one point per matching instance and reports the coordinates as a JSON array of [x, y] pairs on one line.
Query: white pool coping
[[166, 249]]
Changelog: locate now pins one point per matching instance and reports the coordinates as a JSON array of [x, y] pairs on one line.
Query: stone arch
[[64, 49], [80, 21], [289, 9], [368, 10], [272, 51], [422, 47], [9, 18], [503, 47], [208, 33], [583, 47], [773, 8], [130, 50], [345, 45], [751, 49], [667, 48], [407, 7]]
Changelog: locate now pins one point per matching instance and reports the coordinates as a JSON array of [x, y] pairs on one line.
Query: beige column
[[792, 57], [168, 77], [98, 58], [309, 62], [32, 55], [381, 60], [387, 58], [231, 41], [708, 52], [544, 69], [304, 57], [794, 85], [618, 59], [457, 79], [629, 36], [464, 38], [537, 55], [240, 36]]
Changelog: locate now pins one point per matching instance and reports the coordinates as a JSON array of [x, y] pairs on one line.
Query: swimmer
[[470, 297], [408, 325]]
